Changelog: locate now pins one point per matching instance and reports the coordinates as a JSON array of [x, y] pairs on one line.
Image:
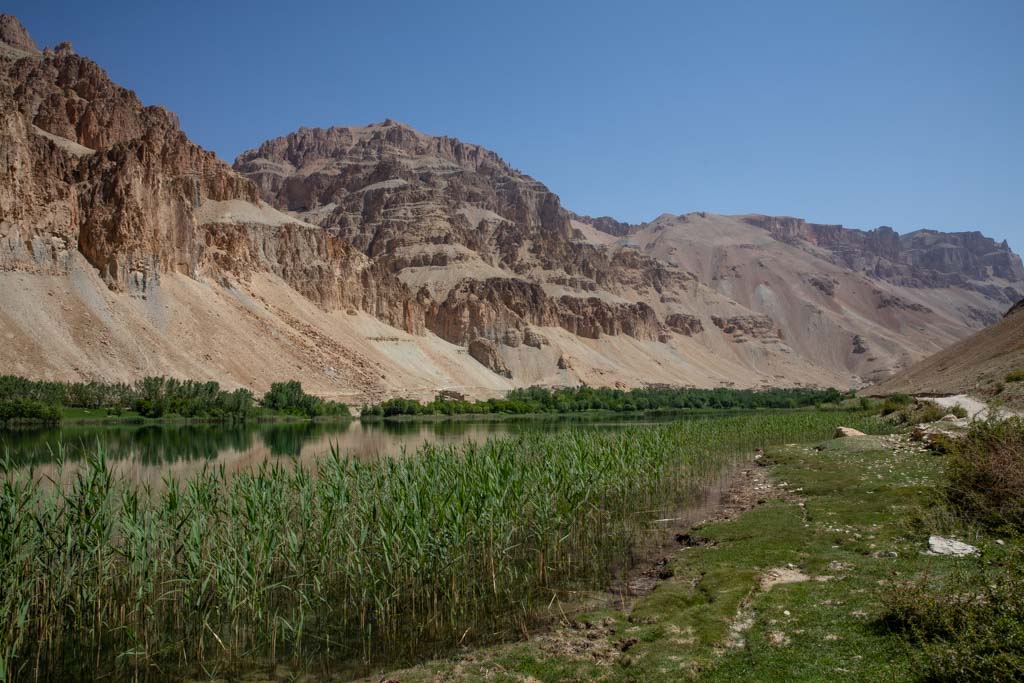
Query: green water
[[148, 453]]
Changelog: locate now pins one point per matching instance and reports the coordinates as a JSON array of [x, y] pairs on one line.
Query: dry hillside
[[976, 365]]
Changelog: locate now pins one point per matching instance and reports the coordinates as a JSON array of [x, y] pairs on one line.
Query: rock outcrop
[[14, 35], [490, 250], [872, 302], [486, 353], [924, 258], [747, 326], [682, 323], [92, 171], [607, 224]]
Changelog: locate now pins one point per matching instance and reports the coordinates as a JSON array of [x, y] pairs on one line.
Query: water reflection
[[147, 453]]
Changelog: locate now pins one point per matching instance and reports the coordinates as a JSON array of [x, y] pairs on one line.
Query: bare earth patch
[[782, 575]]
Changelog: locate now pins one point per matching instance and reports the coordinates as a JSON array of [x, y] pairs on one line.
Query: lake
[[147, 453]]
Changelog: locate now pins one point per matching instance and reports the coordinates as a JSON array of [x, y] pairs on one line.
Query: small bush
[[967, 628], [895, 403], [900, 399], [958, 410], [925, 411], [985, 474], [1015, 376]]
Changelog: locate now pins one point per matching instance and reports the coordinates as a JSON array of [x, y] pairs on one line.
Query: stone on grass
[[938, 545], [846, 431]]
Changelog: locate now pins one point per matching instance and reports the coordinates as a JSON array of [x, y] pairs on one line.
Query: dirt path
[[975, 409]]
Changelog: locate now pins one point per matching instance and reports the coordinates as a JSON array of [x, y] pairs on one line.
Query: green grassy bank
[[829, 579]]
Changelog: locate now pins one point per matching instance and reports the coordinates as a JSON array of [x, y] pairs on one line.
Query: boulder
[[533, 338], [846, 431], [938, 545], [486, 353]]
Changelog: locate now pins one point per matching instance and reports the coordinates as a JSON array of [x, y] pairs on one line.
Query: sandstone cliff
[[92, 171], [924, 258]]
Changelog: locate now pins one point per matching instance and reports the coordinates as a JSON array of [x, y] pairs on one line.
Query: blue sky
[[909, 114]]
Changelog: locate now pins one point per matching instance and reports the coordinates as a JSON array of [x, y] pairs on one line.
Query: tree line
[[156, 397], [580, 399]]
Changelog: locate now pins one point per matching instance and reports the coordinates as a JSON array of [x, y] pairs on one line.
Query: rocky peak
[[374, 142], [608, 225], [386, 186], [14, 34]]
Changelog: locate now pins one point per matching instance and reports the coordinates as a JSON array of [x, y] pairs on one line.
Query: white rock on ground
[[846, 431], [938, 545]]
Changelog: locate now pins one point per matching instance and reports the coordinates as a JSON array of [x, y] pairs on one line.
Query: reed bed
[[397, 558]]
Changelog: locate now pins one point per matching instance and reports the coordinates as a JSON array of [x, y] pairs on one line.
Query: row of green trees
[[155, 397], [541, 400], [288, 397]]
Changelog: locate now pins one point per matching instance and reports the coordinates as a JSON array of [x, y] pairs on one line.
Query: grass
[[853, 518], [394, 559], [969, 626]]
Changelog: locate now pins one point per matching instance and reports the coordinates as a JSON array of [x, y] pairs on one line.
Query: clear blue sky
[[904, 113]]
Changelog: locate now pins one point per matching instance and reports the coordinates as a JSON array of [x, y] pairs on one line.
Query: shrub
[[1015, 376], [895, 403], [969, 627], [985, 474], [924, 411], [958, 410]]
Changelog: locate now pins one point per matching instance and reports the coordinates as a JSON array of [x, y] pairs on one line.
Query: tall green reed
[[394, 558]]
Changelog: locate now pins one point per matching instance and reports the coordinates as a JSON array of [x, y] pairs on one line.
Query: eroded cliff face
[[871, 302], [14, 35], [489, 250], [89, 170], [924, 258]]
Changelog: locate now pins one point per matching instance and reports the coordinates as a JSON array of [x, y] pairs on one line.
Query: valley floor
[[794, 589]]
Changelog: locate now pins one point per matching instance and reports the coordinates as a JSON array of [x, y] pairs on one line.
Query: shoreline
[[581, 416]]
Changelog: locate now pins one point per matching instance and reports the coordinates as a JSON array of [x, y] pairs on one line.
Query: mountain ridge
[[372, 261]]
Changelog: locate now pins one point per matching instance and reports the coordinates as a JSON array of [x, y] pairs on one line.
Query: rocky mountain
[[495, 262], [870, 302], [376, 261]]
